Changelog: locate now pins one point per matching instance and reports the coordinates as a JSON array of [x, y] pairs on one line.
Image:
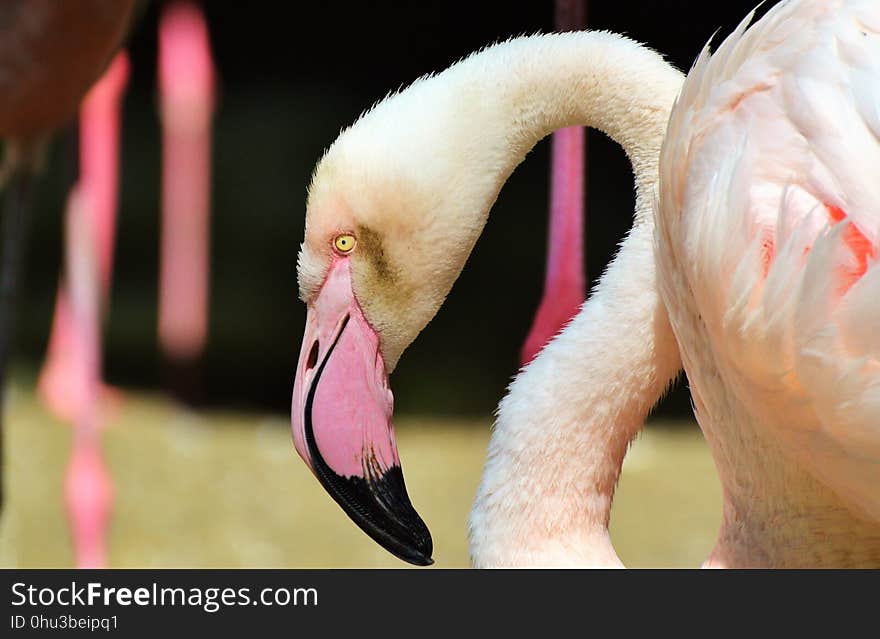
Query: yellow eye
[[344, 243]]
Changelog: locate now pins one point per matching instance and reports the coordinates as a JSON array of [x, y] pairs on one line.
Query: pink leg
[[87, 485], [99, 179], [564, 282], [186, 81], [564, 288]]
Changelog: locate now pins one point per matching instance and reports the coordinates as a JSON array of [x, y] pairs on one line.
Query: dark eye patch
[[373, 249]]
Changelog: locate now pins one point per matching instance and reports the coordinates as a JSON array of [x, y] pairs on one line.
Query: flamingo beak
[[341, 421]]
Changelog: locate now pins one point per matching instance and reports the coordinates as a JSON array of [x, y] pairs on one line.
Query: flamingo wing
[[768, 231]]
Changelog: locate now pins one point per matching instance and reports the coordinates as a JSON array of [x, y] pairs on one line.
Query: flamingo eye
[[344, 243]]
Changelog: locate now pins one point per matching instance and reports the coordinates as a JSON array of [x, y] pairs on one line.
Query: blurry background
[[291, 75], [289, 80]]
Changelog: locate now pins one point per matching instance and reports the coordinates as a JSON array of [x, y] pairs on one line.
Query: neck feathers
[[470, 126]]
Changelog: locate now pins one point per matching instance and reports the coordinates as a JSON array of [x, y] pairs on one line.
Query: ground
[[228, 490]]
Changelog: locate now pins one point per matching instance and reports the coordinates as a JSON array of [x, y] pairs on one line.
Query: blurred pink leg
[[99, 179], [564, 288], [564, 282], [88, 489], [186, 82]]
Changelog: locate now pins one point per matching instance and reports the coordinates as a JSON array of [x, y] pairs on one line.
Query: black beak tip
[[383, 510], [422, 561], [381, 507], [416, 552]]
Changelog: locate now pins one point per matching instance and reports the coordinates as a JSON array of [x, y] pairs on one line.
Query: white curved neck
[[476, 121], [428, 163], [596, 79], [425, 167], [563, 429]]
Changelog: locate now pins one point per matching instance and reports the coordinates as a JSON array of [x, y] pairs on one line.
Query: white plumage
[[768, 227]]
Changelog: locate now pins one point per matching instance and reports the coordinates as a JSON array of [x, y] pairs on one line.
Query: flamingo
[[50, 54], [70, 381], [394, 208], [767, 259], [186, 89]]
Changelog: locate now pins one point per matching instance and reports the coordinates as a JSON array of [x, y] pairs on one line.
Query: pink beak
[[341, 420]]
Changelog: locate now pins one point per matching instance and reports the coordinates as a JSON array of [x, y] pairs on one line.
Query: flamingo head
[[342, 408], [392, 215]]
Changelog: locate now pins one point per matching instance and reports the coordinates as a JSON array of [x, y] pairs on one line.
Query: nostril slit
[[313, 356]]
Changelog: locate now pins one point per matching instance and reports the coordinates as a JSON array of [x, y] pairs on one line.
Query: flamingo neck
[[514, 94], [427, 164], [565, 425]]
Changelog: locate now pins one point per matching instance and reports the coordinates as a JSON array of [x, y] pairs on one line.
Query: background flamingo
[[39, 98], [186, 90], [70, 380]]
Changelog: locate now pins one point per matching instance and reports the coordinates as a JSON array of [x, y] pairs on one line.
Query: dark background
[[291, 75]]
